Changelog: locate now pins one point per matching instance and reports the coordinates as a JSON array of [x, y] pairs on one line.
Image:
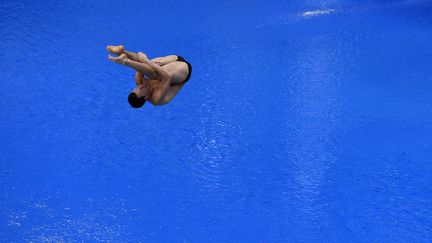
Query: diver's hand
[[142, 57]]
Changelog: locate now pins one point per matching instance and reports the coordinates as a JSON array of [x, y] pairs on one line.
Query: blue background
[[304, 121]]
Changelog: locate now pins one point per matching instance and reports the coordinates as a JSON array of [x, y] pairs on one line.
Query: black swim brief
[[181, 59]]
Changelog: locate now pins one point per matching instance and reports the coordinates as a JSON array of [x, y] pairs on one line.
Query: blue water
[[304, 121]]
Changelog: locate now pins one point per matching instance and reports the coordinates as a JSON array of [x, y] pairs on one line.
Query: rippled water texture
[[304, 121]]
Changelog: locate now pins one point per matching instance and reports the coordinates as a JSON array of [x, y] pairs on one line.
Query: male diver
[[158, 80]]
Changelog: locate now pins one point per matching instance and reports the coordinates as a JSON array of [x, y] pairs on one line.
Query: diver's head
[[135, 101], [138, 96]]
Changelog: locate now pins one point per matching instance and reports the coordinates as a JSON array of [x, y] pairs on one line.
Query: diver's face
[[141, 91]]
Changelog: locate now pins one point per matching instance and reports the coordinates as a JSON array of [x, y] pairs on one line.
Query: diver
[[158, 80]]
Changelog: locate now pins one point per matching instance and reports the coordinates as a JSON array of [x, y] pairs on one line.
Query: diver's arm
[[161, 90], [139, 78], [165, 80], [139, 66], [171, 93], [161, 71]]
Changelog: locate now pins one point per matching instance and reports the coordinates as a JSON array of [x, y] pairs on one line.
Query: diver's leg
[[179, 70], [138, 66], [118, 50], [161, 61], [132, 55]]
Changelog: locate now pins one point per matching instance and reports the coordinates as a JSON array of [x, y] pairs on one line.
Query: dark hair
[[135, 101]]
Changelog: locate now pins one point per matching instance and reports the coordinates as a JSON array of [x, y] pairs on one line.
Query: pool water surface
[[303, 121]]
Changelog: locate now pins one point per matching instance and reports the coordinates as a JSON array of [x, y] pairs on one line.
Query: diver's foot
[[116, 49], [120, 59]]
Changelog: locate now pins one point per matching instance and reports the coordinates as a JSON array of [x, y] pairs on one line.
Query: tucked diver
[[158, 80]]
